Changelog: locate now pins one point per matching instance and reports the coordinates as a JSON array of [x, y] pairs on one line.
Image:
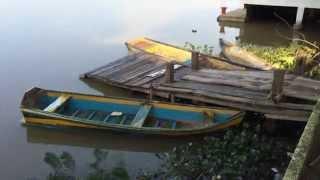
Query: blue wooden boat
[[67, 109]]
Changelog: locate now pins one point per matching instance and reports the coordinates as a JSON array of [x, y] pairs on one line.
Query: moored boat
[[67, 109], [239, 55], [179, 54]]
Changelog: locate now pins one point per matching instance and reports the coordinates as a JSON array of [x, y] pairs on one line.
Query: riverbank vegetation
[[287, 57], [243, 152]]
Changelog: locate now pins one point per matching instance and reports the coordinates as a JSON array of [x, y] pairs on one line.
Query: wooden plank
[[142, 73], [91, 115], [74, 114], [286, 117], [264, 105], [144, 69], [220, 89], [124, 66], [253, 74], [114, 64], [133, 69], [123, 119], [236, 83], [57, 103], [290, 114], [128, 73], [141, 116], [301, 94], [178, 73]]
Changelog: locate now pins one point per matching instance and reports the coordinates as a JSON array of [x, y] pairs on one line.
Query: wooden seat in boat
[[141, 116], [57, 103]]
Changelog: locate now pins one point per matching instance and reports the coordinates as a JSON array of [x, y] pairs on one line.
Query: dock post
[[299, 66], [151, 93], [169, 74], [299, 18], [277, 85], [195, 60]]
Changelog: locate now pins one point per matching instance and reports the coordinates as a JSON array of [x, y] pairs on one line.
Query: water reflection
[[63, 167], [102, 139], [268, 33]]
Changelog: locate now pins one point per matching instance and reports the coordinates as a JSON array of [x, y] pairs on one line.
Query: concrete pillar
[[299, 18]]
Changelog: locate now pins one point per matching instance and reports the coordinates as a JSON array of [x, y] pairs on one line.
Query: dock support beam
[[277, 85], [195, 60], [299, 66], [299, 18], [169, 74]]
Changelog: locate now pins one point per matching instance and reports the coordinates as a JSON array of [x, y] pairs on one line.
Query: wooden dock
[[276, 94]]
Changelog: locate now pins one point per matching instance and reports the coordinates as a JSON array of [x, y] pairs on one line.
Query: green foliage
[[205, 49], [281, 57], [285, 57], [243, 152]]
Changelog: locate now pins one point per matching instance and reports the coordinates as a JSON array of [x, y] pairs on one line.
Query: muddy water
[[49, 43]]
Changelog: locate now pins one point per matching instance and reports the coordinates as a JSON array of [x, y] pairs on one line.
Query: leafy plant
[[241, 153], [285, 57], [205, 49]]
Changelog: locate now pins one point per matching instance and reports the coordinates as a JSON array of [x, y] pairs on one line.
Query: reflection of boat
[[54, 108], [179, 54], [103, 140], [238, 55]]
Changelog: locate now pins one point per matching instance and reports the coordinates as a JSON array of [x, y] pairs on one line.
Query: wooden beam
[[169, 74], [277, 85], [195, 60], [151, 93], [299, 67]]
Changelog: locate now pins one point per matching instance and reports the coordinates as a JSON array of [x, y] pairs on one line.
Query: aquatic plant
[[205, 49], [285, 57], [241, 153]]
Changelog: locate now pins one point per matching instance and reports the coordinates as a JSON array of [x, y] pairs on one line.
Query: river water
[[50, 43]]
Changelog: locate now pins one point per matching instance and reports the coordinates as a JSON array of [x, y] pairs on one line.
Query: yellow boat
[[67, 109], [179, 54]]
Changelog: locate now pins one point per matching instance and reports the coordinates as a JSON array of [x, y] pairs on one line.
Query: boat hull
[[33, 118], [179, 54], [192, 119]]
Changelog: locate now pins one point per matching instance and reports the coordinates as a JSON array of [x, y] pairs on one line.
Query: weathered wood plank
[[229, 98], [290, 114], [114, 64], [57, 103], [237, 83], [122, 76], [220, 89], [124, 66], [141, 116]]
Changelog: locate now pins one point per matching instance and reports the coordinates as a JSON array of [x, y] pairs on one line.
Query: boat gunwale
[[135, 101], [103, 125]]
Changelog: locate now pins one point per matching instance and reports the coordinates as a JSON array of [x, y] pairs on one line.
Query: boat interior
[[131, 113]]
